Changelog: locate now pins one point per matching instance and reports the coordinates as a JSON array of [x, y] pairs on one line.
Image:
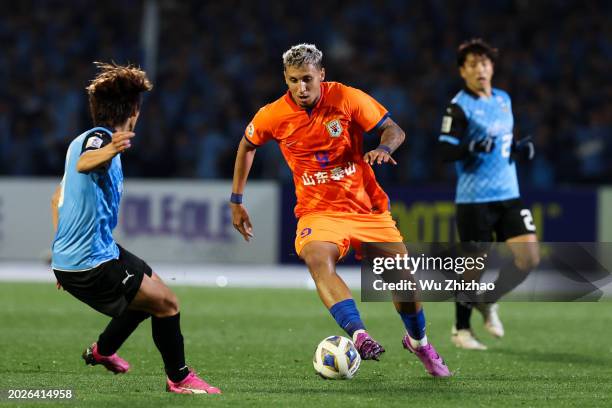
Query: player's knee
[[527, 263], [318, 263], [168, 304], [172, 304]]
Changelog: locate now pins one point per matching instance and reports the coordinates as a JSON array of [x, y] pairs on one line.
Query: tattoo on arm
[[391, 134]]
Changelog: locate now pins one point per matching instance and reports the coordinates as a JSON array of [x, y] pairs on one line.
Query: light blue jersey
[[482, 177], [88, 208]]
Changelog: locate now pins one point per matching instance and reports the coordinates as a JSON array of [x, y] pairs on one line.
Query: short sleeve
[[95, 140], [258, 132], [365, 110], [454, 124]]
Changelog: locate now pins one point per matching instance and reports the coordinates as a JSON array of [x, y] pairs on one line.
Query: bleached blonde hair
[[302, 54]]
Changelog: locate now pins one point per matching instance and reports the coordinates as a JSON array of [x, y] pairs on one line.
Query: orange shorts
[[346, 230]]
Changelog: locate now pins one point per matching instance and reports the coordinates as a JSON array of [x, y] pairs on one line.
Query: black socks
[[509, 278], [463, 312], [169, 340], [118, 330]]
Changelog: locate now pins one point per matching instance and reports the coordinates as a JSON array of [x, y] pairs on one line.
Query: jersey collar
[[476, 96], [106, 129]]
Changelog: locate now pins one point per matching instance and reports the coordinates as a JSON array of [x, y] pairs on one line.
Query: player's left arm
[[370, 115], [96, 156], [391, 137], [523, 149]]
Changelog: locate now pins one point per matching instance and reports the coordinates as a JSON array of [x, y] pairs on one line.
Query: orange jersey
[[324, 149]]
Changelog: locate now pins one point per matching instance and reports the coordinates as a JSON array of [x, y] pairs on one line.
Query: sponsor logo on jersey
[[334, 128]]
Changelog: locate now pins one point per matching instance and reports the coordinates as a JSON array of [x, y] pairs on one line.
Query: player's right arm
[[54, 205], [452, 143], [257, 133], [96, 154], [55, 198], [242, 167]]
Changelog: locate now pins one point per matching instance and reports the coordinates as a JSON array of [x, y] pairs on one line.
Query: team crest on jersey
[[334, 128], [250, 130], [94, 142]]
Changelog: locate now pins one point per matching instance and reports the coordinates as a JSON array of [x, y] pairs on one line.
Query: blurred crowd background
[[214, 63]]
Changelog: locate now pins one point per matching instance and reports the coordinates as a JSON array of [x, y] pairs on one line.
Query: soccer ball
[[336, 358]]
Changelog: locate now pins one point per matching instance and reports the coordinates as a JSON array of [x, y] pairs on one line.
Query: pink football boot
[[192, 384], [112, 363], [429, 357]]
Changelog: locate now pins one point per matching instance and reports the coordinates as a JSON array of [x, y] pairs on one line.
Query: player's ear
[[133, 119], [322, 74]]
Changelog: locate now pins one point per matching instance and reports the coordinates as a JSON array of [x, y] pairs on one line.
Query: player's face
[[477, 71], [304, 84]]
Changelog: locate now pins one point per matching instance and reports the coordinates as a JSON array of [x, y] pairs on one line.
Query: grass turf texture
[[257, 345]]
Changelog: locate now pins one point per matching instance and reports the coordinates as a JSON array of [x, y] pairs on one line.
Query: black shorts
[[493, 221], [110, 287]]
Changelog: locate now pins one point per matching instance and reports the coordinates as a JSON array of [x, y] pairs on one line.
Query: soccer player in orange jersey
[[319, 127]]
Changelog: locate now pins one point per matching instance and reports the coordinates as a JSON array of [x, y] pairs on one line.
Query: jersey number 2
[[506, 145], [528, 219]]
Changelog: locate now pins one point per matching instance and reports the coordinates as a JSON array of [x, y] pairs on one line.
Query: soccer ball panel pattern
[[336, 358]]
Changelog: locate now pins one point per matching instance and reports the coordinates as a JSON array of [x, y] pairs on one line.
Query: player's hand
[[485, 145], [121, 141], [58, 285], [524, 149], [378, 156], [241, 221]]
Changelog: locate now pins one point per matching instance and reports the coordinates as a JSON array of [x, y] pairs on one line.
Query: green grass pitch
[[257, 345]]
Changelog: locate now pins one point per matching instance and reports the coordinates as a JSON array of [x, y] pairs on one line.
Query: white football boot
[[491, 318], [465, 339]]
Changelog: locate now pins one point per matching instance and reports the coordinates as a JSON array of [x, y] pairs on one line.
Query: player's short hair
[[302, 54], [115, 93], [476, 46]]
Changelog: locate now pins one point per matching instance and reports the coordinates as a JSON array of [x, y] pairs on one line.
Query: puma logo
[[127, 277]]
